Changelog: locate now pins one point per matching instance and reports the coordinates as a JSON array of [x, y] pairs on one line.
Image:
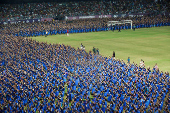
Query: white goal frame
[[119, 22]]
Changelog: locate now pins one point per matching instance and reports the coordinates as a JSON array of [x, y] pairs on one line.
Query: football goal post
[[113, 23]]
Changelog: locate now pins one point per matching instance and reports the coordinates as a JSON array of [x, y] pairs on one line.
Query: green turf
[[150, 44]]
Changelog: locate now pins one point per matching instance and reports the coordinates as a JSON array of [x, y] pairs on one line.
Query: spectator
[[49, 10]]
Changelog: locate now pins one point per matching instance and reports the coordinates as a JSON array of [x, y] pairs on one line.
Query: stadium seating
[[39, 10]]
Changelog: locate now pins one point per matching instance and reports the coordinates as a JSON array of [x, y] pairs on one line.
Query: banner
[[72, 18], [46, 19], [20, 21], [129, 15], [137, 14], [87, 17]]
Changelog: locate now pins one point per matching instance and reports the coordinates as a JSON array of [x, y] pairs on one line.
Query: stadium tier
[[55, 78], [82, 8]]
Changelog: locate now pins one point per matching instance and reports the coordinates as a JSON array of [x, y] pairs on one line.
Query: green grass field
[[150, 44]]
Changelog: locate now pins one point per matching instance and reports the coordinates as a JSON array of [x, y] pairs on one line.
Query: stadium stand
[[39, 10], [40, 77]]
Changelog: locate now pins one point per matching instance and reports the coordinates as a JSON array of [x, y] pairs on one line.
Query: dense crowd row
[[39, 10], [40, 77], [83, 25]]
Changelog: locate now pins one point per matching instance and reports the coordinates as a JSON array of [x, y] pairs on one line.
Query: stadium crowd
[[40, 10], [82, 25], [40, 77]]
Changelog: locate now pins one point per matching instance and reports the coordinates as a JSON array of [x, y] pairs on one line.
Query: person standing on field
[[113, 54], [94, 50], [67, 32], [156, 67], [46, 33], [97, 51], [119, 29], [134, 27], [128, 60]]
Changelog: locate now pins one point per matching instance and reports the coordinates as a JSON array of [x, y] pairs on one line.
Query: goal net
[[113, 23]]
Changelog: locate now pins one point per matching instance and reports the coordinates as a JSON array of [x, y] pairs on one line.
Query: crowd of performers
[[81, 26], [47, 78]]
